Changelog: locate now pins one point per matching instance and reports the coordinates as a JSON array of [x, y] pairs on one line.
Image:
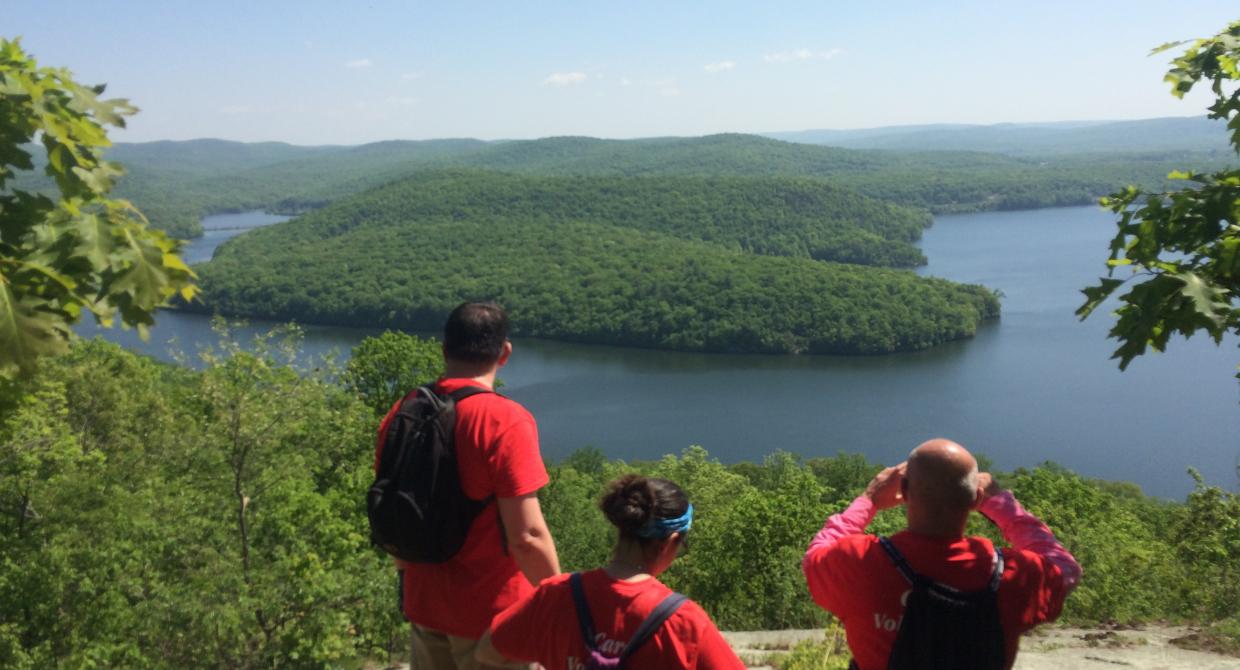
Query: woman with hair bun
[[620, 615]]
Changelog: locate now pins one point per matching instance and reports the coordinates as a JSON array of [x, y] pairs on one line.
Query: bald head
[[942, 477]]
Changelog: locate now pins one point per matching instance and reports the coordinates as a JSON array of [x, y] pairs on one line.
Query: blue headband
[[657, 529]]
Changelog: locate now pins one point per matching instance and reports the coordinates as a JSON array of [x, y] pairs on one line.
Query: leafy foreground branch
[[81, 252], [1182, 247], [156, 516]]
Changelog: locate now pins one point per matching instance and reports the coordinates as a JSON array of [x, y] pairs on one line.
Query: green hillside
[[134, 474], [242, 177], [640, 262], [177, 183], [941, 181], [1193, 133], [771, 216], [209, 157]]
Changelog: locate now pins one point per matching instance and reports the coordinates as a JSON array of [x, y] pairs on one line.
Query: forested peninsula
[[693, 264]]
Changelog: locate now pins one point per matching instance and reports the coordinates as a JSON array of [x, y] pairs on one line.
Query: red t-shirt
[[855, 580], [497, 454], [544, 627]]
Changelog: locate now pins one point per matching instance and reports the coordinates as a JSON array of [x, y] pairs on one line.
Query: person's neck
[[937, 525], [484, 375], [627, 565]]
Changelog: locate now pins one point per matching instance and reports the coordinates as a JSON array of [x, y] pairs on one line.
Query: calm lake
[[1037, 385]]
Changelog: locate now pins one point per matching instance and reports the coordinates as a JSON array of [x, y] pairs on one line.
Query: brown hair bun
[[632, 501], [629, 503]]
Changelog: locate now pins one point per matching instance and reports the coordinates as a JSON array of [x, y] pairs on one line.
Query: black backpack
[[653, 621], [418, 511], [947, 629]]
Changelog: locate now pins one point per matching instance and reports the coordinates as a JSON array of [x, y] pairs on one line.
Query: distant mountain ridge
[[1194, 133], [176, 183]]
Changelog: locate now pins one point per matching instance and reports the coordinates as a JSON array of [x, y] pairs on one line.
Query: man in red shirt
[[508, 549], [853, 577]]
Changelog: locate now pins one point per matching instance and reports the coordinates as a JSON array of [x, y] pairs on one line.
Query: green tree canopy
[[80, 251], [1183, 247], [383, 369]]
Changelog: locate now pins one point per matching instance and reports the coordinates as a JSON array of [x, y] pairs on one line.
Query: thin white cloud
[[358, 63], [721, 66], [410, 76], [565, 79], [236, 109], [625, 81], [801, 55], [667, 87]]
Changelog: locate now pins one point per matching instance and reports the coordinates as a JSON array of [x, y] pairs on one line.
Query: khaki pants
[[432, 650]]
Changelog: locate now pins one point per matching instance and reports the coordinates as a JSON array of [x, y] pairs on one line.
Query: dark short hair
[[475, 332]]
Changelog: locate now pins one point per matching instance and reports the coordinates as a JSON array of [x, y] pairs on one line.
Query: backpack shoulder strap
[[467, 391], [998, 573], [583, 610], [898, 559], [665, 609], [428, 391]]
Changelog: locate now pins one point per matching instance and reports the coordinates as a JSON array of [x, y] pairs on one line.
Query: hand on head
[[885, 488], [987, 486], [940, 472]]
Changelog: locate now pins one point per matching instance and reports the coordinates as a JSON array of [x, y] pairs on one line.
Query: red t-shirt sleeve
[[714, 652], [517, 631], [835, 575], [517, 467], [1041, 587]]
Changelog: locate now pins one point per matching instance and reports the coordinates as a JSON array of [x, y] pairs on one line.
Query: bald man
[[869, 586]]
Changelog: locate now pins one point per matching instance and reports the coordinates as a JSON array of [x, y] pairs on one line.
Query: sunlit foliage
[[72, 250], [161, 517]]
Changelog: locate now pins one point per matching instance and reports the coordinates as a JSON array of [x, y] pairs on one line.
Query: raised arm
[[882, 492], [820, 573], [1025, 531]]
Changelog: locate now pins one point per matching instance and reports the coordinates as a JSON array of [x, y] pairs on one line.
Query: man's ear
[[504, 354]]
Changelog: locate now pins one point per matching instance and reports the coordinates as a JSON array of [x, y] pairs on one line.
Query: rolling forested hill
[[678, 263], [1194, 133], [177, 183], [776, 216], [303, 178]]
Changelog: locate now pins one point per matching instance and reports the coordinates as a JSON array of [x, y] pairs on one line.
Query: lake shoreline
[[1035, 385]]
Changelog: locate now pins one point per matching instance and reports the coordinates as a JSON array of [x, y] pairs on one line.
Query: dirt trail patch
[[1048, 648]]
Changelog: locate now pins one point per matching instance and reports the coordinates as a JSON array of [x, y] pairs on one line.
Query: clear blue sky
[[345, 72]]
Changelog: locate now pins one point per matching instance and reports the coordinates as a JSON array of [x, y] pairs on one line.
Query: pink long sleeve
[[1025, 531], [849, 522]]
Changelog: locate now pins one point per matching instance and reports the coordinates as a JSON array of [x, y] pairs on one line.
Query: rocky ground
[[1048, 648], [1146, 647]]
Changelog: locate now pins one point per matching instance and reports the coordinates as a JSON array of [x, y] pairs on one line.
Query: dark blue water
[[1037, 385]]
